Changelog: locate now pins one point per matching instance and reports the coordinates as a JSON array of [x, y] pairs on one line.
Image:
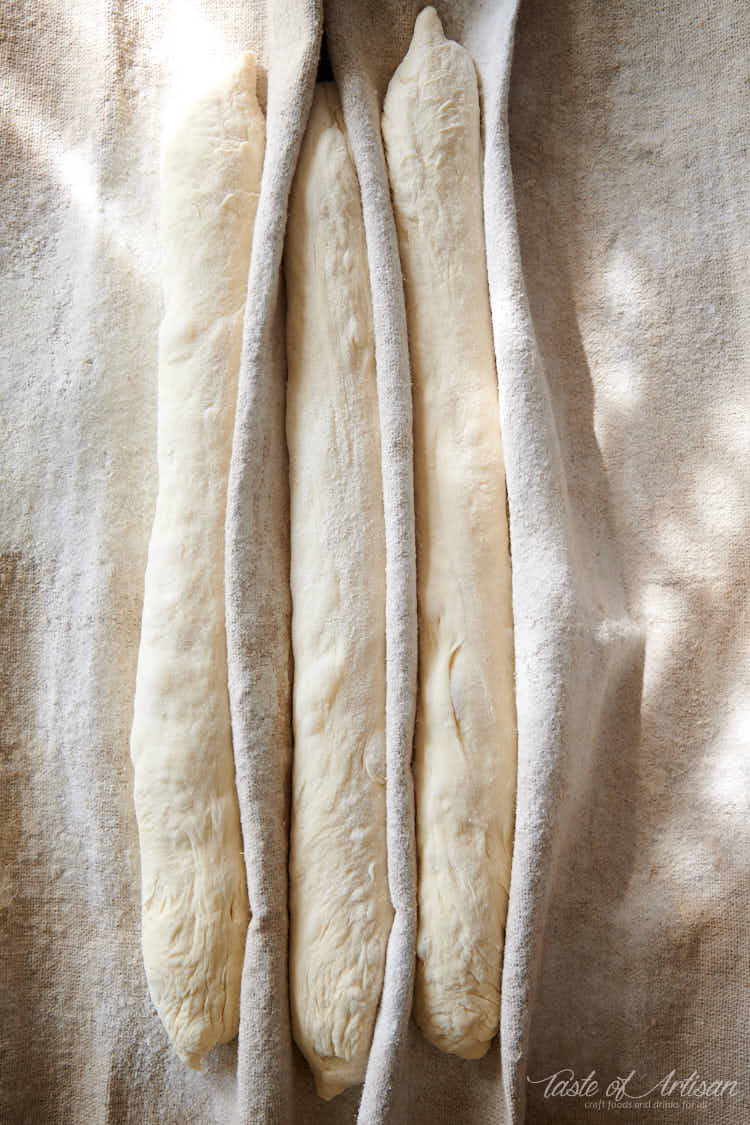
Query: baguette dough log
[[340, 910], [464, 757], [194, 893]]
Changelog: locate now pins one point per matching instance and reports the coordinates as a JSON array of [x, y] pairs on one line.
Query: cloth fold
[[258, 603]]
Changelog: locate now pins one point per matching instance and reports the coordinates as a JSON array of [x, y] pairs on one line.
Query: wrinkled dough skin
[[340, 910], [464, 755], [194, 895]]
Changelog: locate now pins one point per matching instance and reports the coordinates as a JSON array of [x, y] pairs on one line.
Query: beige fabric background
[[618, 249]]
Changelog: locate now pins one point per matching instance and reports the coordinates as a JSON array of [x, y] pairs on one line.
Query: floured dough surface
[[340, 911], [194, 895], [465, 735]]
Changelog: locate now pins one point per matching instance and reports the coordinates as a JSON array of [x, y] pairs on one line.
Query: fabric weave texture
[[618, 241]]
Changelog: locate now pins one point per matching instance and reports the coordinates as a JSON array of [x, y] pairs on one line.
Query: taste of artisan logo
[[671, 1091]]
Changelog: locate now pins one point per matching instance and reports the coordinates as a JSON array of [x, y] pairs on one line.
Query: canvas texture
[[618, 247]]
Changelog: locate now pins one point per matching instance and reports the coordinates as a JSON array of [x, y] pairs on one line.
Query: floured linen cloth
[[618, 245]]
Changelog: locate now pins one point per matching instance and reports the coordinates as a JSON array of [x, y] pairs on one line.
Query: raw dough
[[194, 893], [340, 910], [464, 758]]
